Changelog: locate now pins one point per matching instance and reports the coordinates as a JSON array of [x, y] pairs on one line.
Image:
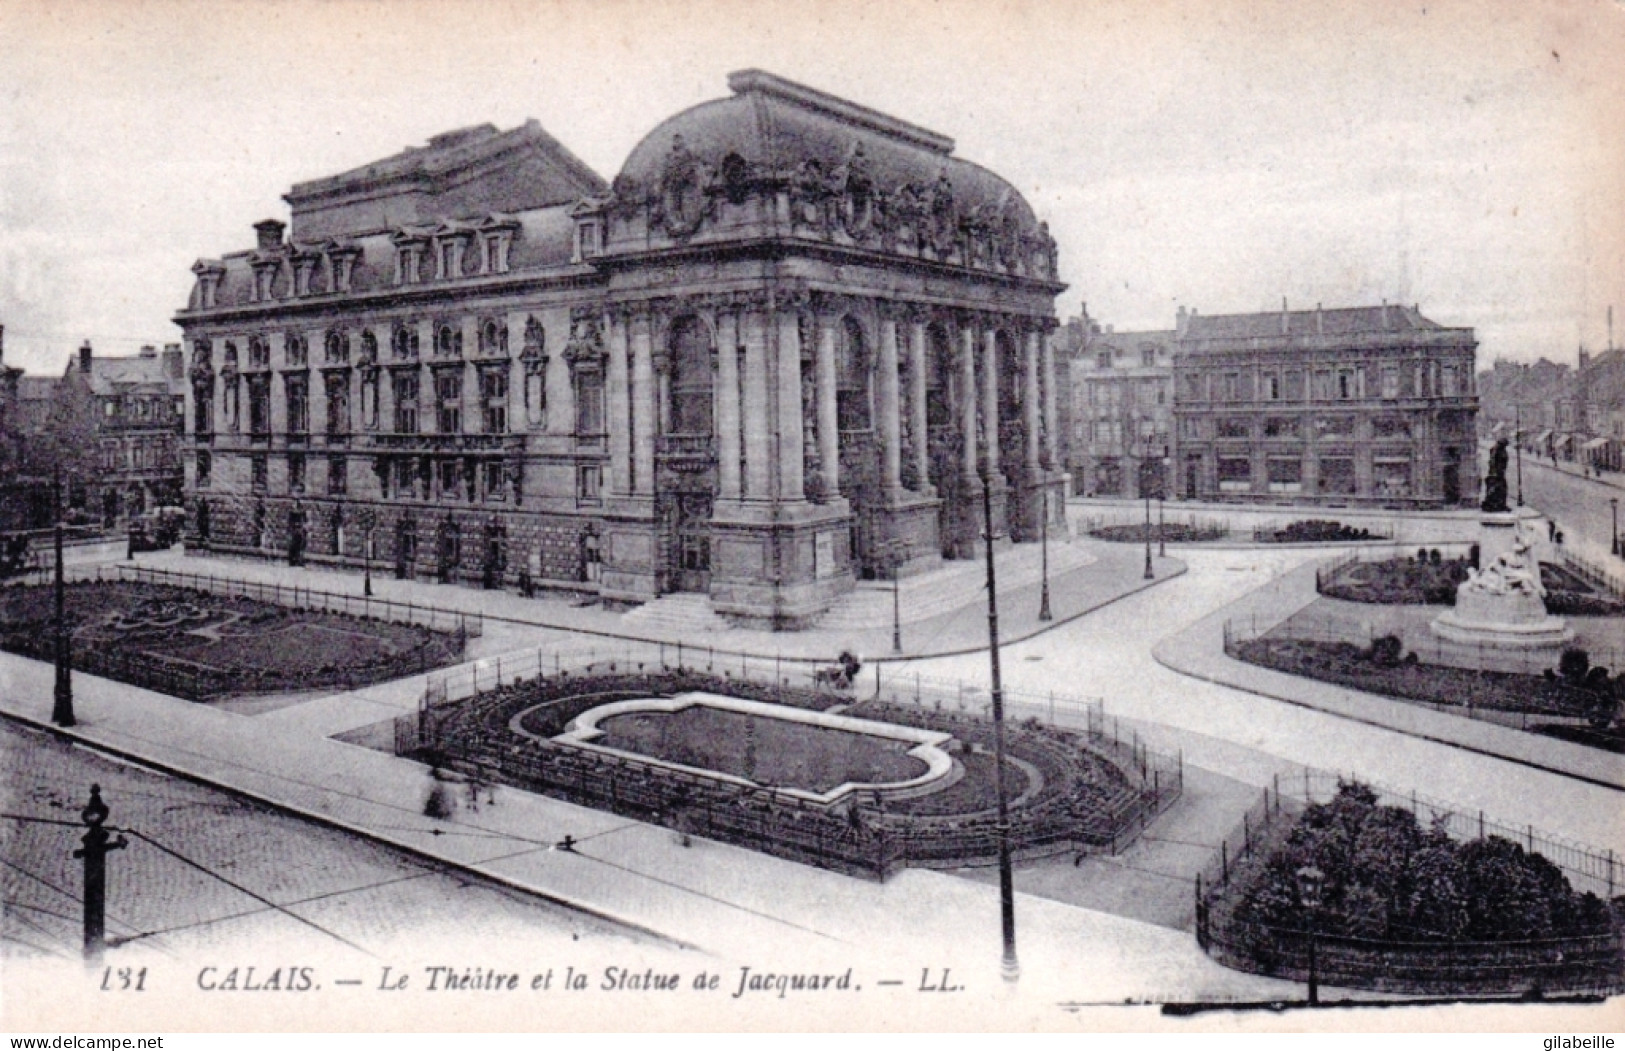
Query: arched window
[[852, 378], [404, 341], [493, 338], [448, 341], [338, 346], [690, 391]]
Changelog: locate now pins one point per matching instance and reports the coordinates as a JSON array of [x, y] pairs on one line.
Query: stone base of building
[[778, 566]]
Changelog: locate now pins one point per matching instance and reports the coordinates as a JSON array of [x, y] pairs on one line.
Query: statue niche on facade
[[1495, 480]]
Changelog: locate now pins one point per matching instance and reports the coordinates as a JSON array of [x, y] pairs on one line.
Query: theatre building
[[778, 353], [1364, 406]]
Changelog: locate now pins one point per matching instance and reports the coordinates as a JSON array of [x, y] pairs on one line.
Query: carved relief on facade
[[533, 358]]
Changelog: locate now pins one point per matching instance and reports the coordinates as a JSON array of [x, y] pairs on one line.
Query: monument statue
[[1495, 480]]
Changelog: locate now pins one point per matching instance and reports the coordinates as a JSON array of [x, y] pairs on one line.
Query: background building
[[1122, 401], [1346, 407], [772, 357]]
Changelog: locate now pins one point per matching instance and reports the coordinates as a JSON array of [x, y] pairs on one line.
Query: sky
[[1221, 155]]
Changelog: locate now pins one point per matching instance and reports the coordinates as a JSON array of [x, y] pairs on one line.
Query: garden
[[206, 647], [1195, 531], [1313, 531], [1067, 792], [1398, 904], [1427, 578]]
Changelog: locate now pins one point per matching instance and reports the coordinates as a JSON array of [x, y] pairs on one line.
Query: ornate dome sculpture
[[778, 158]]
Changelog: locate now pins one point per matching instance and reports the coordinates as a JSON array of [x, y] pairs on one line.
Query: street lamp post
[[1043, 534], [1146, 491], [367, 523], [896, 603], [1162, 494], [1613, 508], [1311, 881], [1009, 967], [62, 706]]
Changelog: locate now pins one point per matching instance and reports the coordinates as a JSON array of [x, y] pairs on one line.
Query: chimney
[[1181, 319], [1385, 313], [149, 351], [84, 356], [174, 365], [269, 233]]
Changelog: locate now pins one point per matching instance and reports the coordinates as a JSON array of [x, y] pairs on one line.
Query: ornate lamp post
[[1613, 507], [62, 706], [97, 843], [1009, 966], [1043, 533], [1311, 882]]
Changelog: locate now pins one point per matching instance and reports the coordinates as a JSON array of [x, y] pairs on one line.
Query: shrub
[[1386, 651]]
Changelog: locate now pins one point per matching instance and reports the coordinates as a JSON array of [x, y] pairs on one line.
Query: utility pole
[[1043, 532], [62, 705], [1008, 966], [94, 852]]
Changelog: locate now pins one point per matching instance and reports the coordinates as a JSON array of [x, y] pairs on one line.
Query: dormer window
[[449, 257], [264, 282], [408, 259], [589, 238], [494, 258]]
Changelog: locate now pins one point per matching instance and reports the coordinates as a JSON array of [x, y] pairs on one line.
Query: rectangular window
[[1103, 359], [1235, 427], [338, 403], [587, 239], [1235, 474], [1232, 387], [296, 472], [406, 477], [406, 402], [1148, 357], [298, 404], [1390, 381], [494, 399], [1190, 428], [1285, 474], [338, 481], [495, 488], [1281, 427], [1272, 387], [259, 473], [449, 479], [1345, 383], [1391, 476], [590, 403], [448, 385], [589, 483], [1337, 476], [259, 406]]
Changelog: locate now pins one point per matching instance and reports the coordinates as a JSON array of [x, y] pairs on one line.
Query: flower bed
[[205, 647], [1313, 531], [1170, 532], [1398, 581], [1403, 908]]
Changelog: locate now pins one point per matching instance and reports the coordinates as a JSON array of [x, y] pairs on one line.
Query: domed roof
[[780, 128]]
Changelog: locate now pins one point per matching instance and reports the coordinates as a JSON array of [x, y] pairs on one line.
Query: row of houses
[[1562, 412]]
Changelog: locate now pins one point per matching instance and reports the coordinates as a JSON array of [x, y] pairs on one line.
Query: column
[[643, 407], [967, 396], [789, 405], [829, 417], [473, 406], [917, 385], [890, 406], [618, 424], [1030, 398], [1052, 420], [726, 393], [753, 333], [990, 397]]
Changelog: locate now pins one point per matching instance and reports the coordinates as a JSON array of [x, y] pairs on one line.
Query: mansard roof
[[1379, 324], [469, 172]]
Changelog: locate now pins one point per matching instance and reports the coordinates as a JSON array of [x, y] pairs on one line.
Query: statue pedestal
[[1500, 608]]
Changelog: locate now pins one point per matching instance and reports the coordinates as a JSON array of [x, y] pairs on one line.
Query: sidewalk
[[1198, 651], [723, 901], [949, 607]]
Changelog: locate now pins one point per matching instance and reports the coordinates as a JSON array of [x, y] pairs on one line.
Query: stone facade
[[1122, 415], [1368, 406], [773, 356]]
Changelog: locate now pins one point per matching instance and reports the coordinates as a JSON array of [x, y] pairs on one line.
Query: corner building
[[775, 355], [1352, 407]]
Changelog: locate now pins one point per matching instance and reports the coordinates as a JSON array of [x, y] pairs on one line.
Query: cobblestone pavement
[[239, 877]]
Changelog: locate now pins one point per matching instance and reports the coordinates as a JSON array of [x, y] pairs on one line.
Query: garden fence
[[470, 625], [1610, 580], [1574, 964], [645, 788]]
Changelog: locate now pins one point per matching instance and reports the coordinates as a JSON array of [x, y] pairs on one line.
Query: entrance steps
[[681, 615], [956, 585]]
